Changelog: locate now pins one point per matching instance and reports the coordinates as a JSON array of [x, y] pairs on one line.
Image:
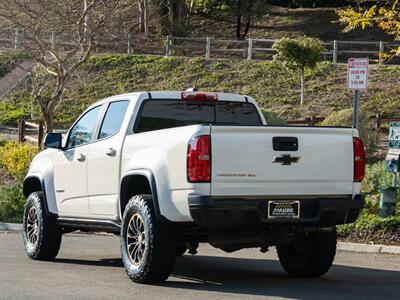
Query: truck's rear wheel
[[309, 255], [41, 235], [147, 246]]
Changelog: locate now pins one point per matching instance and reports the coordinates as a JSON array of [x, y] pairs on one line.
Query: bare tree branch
[[65, 17]]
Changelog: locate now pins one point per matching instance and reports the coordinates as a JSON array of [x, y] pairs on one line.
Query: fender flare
[[153, 187], [43, 190]]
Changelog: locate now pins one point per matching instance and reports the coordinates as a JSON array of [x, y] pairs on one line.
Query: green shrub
[[13, 110], [371, 224], [12, 202], [344, 118], [376, 178], [15, 158], [273, 118]]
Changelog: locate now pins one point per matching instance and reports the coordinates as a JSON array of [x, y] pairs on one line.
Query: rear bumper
[[233, 212]]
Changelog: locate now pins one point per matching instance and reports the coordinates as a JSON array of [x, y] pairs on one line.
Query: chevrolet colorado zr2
[[169, 170]]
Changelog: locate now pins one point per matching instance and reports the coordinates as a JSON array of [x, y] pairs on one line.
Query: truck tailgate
[[244, 162]]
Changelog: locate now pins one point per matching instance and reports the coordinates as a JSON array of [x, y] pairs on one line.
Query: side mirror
[[53, 140]]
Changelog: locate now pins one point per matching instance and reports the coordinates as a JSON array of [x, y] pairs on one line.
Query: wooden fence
[[380, 120], [22, 137], [208, 47]]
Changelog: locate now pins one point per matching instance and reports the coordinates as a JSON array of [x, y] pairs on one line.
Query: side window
[[113, 119], [82, 131]]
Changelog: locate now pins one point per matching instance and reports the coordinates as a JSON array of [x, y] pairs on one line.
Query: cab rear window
[[162, 114]]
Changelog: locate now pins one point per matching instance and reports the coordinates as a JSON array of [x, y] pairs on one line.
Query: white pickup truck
[[169, 170]]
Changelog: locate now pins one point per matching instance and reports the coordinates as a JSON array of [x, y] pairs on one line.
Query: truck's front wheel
[[147, 246], [41, 235], [309, 255]]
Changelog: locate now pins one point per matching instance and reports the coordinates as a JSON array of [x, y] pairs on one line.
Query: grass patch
[[8, 60], [275, 88]]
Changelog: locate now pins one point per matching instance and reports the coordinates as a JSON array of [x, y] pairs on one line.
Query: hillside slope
[[285, 22], [269, 83]]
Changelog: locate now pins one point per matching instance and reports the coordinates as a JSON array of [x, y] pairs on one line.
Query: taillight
[[199, 96], [199, 159], [359, 159]]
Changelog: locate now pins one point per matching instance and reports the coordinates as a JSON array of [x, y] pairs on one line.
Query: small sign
[[394, 135], [392, 160], [357, 73]]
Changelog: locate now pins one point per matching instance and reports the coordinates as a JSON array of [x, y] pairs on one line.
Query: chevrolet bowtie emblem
[[286, 159]]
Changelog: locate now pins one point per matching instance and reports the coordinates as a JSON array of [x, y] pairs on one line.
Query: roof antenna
[[194, 88]]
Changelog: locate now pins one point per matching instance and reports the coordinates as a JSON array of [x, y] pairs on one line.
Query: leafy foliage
[[12, 202], [300, 53], [273, 118], [13, 110], [15, 158], [384, 14], [376, 178], [369, 227]]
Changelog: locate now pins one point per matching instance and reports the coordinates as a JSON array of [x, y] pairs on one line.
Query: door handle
[[111, 152], [81, 157]]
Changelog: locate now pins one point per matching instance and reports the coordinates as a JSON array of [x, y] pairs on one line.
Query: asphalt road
[[89, 267]]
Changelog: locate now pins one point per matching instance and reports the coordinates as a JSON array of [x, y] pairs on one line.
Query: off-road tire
[[180, 250], [158, 259], [48, 241], [308, 255]]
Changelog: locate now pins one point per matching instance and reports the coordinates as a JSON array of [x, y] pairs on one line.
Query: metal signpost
[[357, 80]]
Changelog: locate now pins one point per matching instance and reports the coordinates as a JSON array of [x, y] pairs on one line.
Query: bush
[[15, 158], [299, 53], [376, 178], [273, 118], [370, 227], [344, 118], [12, 202]]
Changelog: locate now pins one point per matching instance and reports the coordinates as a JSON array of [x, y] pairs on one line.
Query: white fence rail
[[208, 47]]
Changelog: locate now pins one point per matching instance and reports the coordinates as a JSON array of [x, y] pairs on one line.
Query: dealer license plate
[[284, 209]]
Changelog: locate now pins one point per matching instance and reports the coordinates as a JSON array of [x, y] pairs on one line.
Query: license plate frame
[[283, 209]]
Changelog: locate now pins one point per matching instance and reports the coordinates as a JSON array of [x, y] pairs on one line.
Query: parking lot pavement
[[89, 267]]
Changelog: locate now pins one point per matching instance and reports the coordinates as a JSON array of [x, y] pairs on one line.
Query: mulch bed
[[370, 237]]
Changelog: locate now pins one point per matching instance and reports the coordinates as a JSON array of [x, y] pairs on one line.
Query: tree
[[299, 54], [384, 14], [81, 22], [143, 17], [174, 15], [247, 10]]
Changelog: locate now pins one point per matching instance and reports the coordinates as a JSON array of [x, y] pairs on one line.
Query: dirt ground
[[281, 21]]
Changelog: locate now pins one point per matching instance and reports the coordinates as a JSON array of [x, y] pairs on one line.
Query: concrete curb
[[341, 246], [10, 227], [368, 248]]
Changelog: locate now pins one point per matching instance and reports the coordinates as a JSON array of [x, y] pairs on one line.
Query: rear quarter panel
[[163, 152]]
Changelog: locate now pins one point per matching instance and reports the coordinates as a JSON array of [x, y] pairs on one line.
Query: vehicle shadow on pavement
[[104, 262], [267, 278]]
